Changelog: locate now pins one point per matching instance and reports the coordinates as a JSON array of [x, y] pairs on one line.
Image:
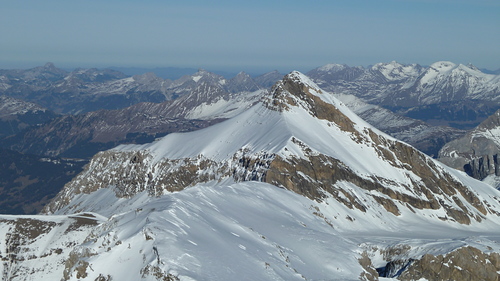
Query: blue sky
[[248, 35]]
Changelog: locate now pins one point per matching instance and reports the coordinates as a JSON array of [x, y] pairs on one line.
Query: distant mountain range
[[443, 93], [204, 98], [171, 73], [85, 90], [17, 115]]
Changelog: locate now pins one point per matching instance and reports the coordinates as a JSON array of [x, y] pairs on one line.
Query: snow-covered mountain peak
[[443, 65], [332, 67], [313, 145], [395, 71], [391, 65], [473, 67], [299, 91], [242, 77], [205, 76], [242, 74]]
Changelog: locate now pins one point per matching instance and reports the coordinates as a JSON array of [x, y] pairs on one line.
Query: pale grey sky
[[248, 35]]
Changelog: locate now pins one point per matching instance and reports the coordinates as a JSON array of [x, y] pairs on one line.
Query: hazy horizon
[[256, 36]]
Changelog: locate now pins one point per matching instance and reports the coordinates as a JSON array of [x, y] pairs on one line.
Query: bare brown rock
[[467, 263]]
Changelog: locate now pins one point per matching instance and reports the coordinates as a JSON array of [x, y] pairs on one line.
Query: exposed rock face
[[22, 239], [482, 167], [289, 173], [467, 263], [134, 172], [477, 152]]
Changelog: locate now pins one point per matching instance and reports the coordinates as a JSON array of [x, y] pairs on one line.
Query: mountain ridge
[[216, 162]]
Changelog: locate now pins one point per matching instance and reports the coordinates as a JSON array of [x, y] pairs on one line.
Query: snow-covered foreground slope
[[295, 188], [244, 231], [254, 231], [41, 247]]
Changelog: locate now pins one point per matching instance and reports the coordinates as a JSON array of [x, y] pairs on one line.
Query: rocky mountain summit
[[296, 187], [275, 136]]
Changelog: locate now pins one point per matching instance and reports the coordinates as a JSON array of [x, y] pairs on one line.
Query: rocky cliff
[[477, 152]]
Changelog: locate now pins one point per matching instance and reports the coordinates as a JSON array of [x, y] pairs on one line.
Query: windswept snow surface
[[225, 108], [256, 231], [244, 231]]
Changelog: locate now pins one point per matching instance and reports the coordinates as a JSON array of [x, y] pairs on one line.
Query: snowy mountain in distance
[[297, 187], [172, 73], [85, 90], [16, 115], [70, 92], [10, 106], [477, 151], [442, 94]]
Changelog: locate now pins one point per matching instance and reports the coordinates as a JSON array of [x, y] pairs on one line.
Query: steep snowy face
[[299, 138], [455, 82]]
